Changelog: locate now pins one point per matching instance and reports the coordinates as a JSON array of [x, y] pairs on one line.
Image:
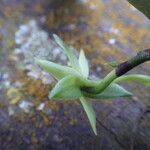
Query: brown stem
[[126, 66]]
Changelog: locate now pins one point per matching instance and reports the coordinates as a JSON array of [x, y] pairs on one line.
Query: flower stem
[[103, 84], [121, 69], [126, 66]]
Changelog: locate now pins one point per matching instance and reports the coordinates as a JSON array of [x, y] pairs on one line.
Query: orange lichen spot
[[46, 120], [32, 87], [74, 13], [53, 105]]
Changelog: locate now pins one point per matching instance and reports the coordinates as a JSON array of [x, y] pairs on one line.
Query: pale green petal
[[66, 88], [57, 71], [90, 113], [143, 79], [83, 64], [72, 58]]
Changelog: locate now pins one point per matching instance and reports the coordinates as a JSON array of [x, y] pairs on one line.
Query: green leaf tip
[[90, 113], [56, 70], [113, 63], [83, 63], [143, 79], [142, 5], [72, 58]]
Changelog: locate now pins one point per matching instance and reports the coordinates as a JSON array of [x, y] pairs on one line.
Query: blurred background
[[107, 30]]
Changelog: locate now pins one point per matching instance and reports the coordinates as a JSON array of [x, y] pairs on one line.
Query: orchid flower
[[73, 82]]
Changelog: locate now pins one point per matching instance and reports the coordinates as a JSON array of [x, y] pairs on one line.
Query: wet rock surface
[[106, 31]]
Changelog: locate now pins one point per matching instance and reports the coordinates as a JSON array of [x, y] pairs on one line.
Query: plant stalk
[[126, 66], [120, 70], [103, 84]]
